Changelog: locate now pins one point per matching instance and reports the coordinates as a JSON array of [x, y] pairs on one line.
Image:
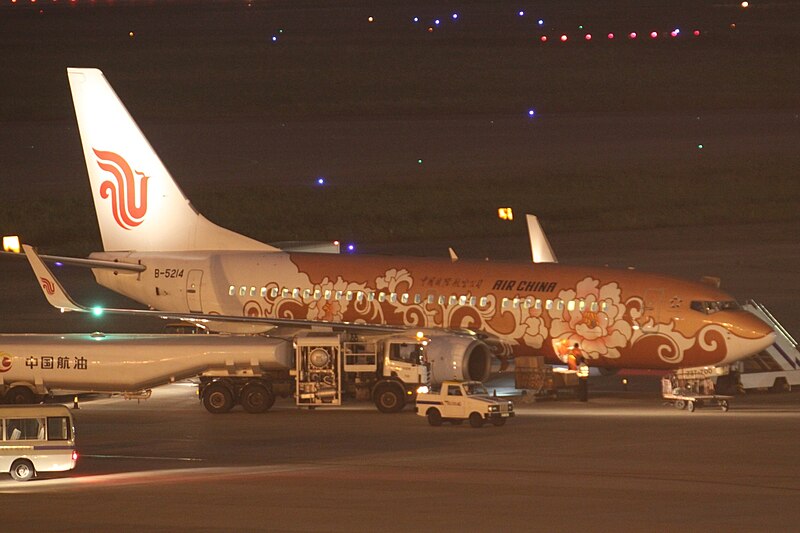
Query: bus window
[[58, 428]]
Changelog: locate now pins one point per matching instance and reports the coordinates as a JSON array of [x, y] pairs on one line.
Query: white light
[[11, 244]]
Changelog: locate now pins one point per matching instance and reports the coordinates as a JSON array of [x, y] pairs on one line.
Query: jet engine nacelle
[[458, 357]]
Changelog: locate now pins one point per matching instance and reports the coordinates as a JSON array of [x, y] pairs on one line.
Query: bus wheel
[[22, 470], [20, 395], [389, 399], [256, 398], [217, 398]]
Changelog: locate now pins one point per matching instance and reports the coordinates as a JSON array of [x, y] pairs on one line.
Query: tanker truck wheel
[[20, 395], [389, 398], [217, 398], [256, 398]]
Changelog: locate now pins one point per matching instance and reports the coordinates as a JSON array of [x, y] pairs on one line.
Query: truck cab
[[457, 401]]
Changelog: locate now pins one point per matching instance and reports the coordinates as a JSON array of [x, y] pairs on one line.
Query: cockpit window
[[710, 307]]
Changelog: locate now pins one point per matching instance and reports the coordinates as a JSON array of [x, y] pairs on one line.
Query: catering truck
[[319, 369]]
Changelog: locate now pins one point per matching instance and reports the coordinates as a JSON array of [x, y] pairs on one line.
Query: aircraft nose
[[749, 336]]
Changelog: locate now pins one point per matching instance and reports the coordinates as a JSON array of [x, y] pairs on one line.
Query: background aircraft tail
[[139, 206]]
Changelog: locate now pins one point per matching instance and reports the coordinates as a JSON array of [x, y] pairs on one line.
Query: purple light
[[274, 39], [415, 19], [521, 13], [58, 264], [610, 35], [531, 113], [437, 22], [351, 248], [541, 22], [455, 16], [320, 181]]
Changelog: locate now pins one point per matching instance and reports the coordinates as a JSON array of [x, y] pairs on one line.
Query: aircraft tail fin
[[139, 206]]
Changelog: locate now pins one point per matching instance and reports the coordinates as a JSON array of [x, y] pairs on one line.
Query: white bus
[[36, 439]]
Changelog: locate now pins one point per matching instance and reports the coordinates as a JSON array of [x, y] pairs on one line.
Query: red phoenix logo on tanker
[[128, 195], [5, 362], [48, 286]]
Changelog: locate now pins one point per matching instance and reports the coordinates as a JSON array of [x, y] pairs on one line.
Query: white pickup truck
[[457, 401]]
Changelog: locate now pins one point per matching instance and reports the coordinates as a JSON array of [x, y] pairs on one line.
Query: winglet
[[453, 255], [540, 247], [51, 287]]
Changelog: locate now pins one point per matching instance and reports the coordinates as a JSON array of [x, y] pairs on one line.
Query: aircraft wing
[[58, 297]]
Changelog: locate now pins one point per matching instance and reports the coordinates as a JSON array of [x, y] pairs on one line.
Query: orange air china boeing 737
[[169, 257]]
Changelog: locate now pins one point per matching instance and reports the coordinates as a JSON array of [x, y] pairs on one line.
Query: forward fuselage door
[[193, 281], [652, 304]]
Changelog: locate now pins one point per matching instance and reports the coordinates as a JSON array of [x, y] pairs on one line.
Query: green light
[[97, 311], [419, 161], [699, 146]]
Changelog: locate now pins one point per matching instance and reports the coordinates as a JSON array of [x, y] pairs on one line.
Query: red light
[[588, 37], [632, 35], [696, 33], [563, 38], [543, 38], [610, 35], [74, 455], [653, 34]]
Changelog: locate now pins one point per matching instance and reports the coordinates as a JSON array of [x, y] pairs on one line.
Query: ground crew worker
[[573, 356], [583, 380]]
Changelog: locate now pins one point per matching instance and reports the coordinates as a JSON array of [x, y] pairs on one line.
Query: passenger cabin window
[[242, 291], [58, 428], [252, 291], [537, 304], [484, 301], [232, 291], [263, 292], [25, 429], [593, 307], [417, 299], [274, 292]]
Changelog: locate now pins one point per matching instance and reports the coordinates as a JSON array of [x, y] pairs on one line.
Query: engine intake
[[458, 357]]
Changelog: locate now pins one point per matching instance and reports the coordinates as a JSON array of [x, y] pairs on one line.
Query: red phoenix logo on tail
[[48, 286], [128, 205]]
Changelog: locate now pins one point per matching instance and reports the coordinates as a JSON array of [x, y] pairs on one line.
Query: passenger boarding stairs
[[777, 367]]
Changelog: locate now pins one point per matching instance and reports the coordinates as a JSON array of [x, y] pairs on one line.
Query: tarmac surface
[[620, 461], [617, 133]]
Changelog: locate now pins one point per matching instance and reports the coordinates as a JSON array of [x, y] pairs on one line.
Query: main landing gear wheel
[[476, 420], [389, 399], [22, 470], [434, 417], [256, 398], [217, 398]]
